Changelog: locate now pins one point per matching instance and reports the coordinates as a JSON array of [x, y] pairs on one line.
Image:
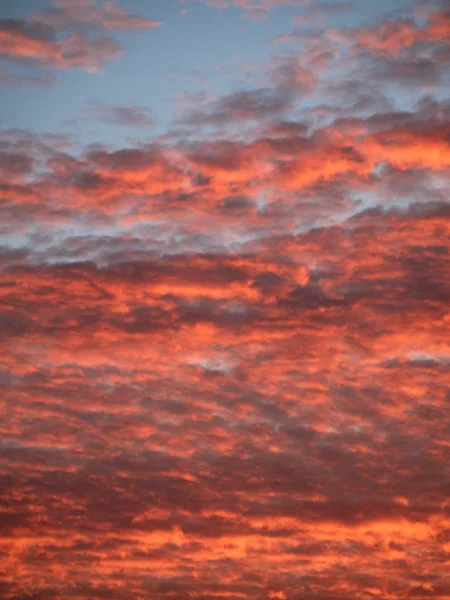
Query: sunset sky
[[224, 300]]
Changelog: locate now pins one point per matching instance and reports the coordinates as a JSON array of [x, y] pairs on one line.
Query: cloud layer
[[225, 354]]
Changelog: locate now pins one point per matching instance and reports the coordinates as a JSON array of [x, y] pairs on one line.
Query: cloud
[[90, 15], [399, 52], [289, 171], [29, 81], [127, 115], [254, 9], [288, 80], [238, 106], [23, 43], [61, 38], [320, 11], [144, 452], [224, 357], [392, 37]]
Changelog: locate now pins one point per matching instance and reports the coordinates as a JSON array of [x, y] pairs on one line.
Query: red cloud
[[224, 359], [151, 436], [58, 38], [73, 51], [395, 36]]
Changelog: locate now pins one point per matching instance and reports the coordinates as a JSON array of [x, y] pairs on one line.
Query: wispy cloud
[[127, 115]]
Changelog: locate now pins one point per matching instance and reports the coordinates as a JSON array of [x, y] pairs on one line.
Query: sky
[[224, 300]]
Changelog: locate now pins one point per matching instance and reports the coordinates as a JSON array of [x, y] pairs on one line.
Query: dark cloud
[[239, 106], [289, 79]]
